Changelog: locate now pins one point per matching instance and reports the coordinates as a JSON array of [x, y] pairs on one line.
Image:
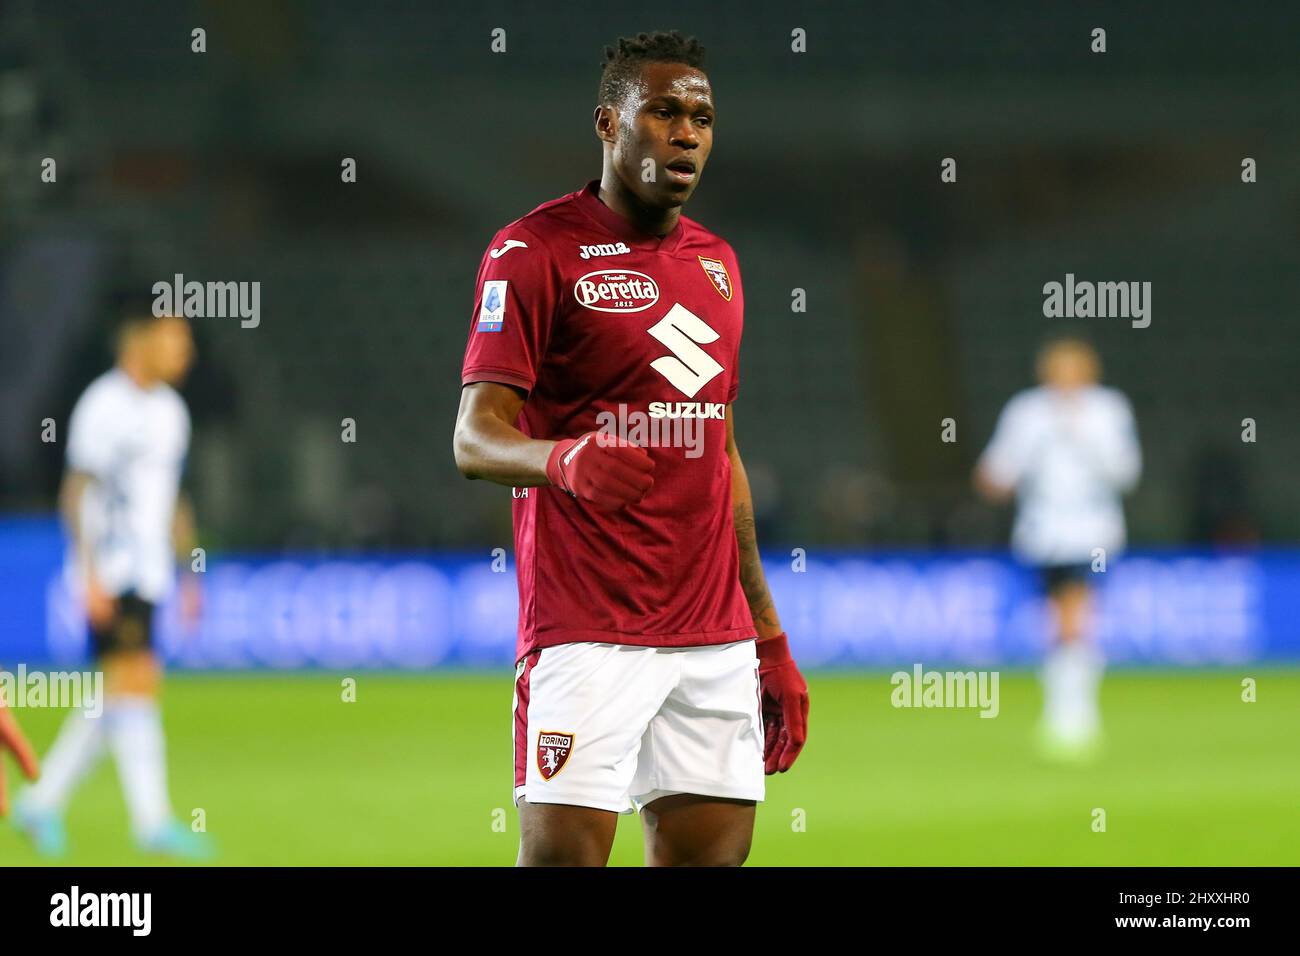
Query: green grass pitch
[[417, 772]]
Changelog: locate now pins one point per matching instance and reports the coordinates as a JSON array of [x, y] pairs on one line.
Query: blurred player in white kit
[[1066, 450], [128, 525]]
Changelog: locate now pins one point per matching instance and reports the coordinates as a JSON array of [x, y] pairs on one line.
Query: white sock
[[1071, 680], [75, 752], [135, 734]]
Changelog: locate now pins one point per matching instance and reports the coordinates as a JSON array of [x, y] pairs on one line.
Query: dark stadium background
[[924, 299]]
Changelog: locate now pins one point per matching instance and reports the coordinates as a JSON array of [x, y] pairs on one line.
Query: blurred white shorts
[[616, 726]]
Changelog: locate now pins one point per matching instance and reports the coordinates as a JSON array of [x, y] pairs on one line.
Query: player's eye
[[662, 113], [704, 120]]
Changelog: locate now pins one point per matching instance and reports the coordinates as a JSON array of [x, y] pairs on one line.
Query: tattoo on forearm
[[752, 581]]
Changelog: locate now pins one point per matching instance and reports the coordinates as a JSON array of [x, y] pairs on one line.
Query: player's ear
[[606, 119]]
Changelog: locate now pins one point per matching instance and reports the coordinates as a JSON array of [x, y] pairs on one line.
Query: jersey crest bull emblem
[[718, 273], [553, 752]]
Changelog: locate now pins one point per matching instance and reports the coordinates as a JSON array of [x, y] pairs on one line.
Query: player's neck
[[615, 195], [135, 370]]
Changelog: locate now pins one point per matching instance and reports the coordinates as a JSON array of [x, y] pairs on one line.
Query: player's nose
[[684, 134]]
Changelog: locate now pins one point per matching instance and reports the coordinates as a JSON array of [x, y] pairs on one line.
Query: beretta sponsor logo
[[616, 291]]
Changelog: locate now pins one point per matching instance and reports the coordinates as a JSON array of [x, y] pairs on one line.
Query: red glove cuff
[[773, 651], [554, 462]]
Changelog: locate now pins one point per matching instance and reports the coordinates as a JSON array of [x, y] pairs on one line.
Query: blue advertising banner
[[841, 609]]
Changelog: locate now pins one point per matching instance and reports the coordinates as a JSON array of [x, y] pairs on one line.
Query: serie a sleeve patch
[[492, 311]]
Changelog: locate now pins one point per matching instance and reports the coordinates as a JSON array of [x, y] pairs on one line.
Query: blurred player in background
[[639, 683], [1067, 450], [127, 525]]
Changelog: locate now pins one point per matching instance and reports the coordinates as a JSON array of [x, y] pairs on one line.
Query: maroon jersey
[[611, 329]]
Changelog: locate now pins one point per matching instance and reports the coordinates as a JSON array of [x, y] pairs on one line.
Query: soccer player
[[126, 522], [1067, 450], [639, 684]]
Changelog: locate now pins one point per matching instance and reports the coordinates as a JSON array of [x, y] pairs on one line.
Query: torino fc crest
[[718, 273], [553, 752]]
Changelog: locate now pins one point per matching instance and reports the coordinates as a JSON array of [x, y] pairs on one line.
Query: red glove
[[11, 738], [608, 471], [784, 703]]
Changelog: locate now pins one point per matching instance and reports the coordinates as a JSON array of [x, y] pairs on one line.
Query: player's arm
[[999, 468], [488, 446], [71, 491], [12, 739], [608, 473], [184, 528], [990, 489], [783, 690], [185, 538], [752, 579], [100, 606]]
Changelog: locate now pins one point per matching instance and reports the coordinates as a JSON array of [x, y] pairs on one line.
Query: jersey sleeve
[[1005, 458], [516, 298], [91, 435]]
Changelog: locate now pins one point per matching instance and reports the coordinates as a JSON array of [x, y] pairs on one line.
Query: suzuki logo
[[689, 368]]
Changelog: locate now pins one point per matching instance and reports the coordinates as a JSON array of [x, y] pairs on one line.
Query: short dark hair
[[623, 61]]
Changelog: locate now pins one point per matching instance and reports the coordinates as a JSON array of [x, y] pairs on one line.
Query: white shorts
[[616, 726]]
